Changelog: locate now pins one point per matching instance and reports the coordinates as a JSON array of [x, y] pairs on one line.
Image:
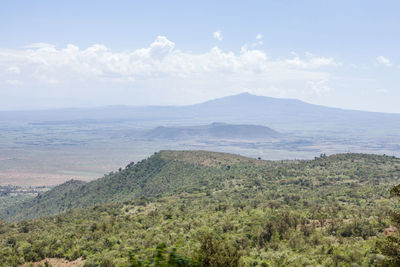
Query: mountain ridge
[[206, 102], [278, 113]]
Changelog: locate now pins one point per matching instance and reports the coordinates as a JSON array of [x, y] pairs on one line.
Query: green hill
[[164, 173], [203, 208], [175, 172]]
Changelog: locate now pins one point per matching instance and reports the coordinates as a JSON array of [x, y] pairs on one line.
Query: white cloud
[[157, 71], [160, 58], [312, 62], [13, 69], [258, 40], [13, 82], [43, 78], [384, 61], [319, 87], [218, 35], [42, 47], [382, 90]]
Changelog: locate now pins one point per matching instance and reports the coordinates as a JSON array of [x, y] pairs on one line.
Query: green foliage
[[162, 257], [190, 209], [215, 251], [390, 245]]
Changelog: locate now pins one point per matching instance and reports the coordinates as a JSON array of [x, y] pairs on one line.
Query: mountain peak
[[244, 94], [252, 101]]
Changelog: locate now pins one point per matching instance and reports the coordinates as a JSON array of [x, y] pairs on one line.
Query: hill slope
[[166, 172], [175, 172], [199, 208]]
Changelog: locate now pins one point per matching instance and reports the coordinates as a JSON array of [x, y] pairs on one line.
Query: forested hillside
[[212, 209], [167, 172]]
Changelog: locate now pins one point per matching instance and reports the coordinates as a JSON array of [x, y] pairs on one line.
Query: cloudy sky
[[92, 53]]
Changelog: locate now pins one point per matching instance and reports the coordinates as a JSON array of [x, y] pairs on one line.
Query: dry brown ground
[[40, 166], [58, 263]]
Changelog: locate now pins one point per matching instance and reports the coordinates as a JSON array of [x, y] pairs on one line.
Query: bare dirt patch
[[57, 263]]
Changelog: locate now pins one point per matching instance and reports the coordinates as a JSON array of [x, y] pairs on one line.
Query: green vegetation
[[10, 194], [390, 246], [199, 208]]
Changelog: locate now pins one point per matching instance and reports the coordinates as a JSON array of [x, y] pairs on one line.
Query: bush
[[214, 251]]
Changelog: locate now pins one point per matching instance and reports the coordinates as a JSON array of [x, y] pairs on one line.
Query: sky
[[57, 54]]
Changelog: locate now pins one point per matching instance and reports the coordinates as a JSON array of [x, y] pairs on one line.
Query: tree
[[390, 246]]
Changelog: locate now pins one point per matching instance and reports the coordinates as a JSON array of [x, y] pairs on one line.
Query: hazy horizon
[[182, 105]]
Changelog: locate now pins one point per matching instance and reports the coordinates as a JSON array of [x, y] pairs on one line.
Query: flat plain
[[37, 154]]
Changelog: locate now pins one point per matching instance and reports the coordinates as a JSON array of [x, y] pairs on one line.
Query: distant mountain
[[292, 114], [214, 130], [278, 113]]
